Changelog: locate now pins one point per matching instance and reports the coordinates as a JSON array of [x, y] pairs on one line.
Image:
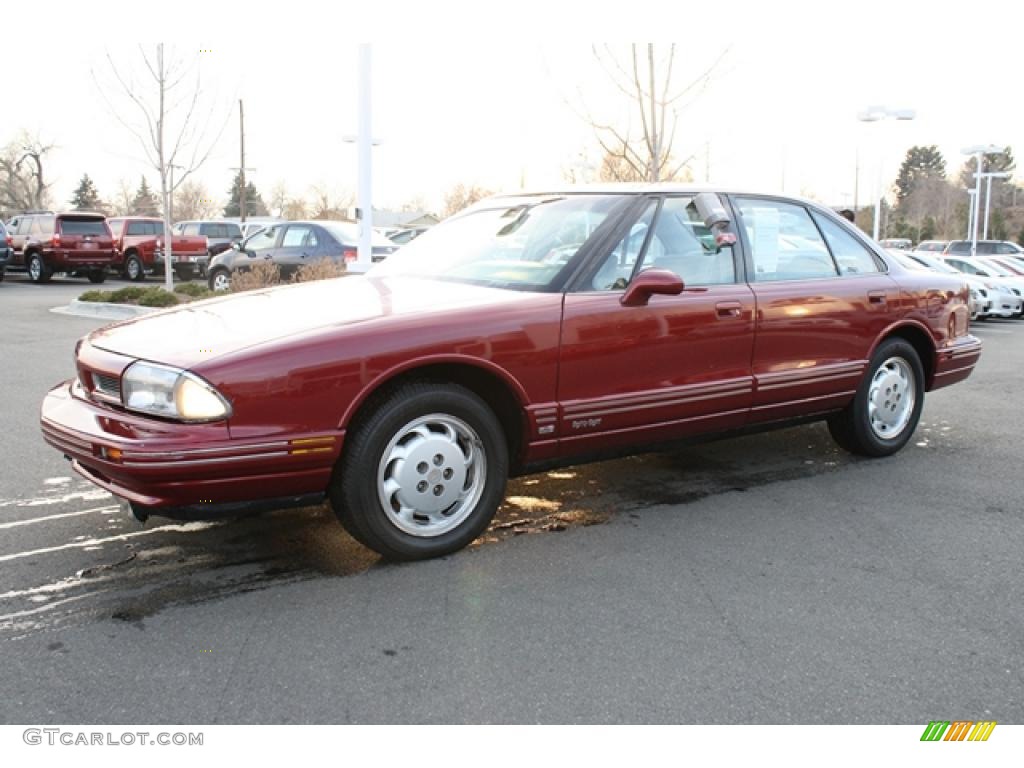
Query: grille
[[108, 385]]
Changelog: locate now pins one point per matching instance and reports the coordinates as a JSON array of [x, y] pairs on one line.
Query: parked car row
[[43, 243], [995, 276]]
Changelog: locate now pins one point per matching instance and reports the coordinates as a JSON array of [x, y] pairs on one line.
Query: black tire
[[853, 427], [356, 488], [2, 271], [219, 276], [38, 271], [184, 274], [97, 275], [133, 269]]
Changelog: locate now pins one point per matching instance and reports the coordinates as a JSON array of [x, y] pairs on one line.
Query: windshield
[[996, 268], [522, 244]]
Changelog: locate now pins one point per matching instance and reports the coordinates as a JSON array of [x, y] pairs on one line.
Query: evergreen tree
[[254, 205], [86, 198], [145, 202], [1020, 237], [997, 230], [920, 163], [929, 229]]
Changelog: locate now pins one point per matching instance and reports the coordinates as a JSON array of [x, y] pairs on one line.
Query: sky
[[493, 94]]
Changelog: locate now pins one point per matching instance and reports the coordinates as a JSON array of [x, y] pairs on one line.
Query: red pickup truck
[[139, 241]]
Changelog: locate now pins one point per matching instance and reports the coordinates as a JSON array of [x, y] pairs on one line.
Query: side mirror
[[710, 208], [649, 282], [235, 245]]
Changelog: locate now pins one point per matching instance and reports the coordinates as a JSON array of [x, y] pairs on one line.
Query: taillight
[[56, 239], [10, 241], [349, 254]]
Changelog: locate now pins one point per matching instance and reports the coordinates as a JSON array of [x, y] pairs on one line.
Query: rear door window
[[785, 243]]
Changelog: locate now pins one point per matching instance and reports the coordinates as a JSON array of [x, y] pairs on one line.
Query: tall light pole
[[971, 194], [364, 142], [979, 151], [872, 115], [988, 195]]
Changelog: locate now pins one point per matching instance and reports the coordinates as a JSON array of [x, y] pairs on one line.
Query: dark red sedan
[[527, 331]]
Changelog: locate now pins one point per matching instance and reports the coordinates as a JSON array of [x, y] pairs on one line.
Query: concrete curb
[[103, 310]]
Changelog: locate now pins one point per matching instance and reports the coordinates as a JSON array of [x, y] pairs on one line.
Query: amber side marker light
[[111, 454], [311, 445]]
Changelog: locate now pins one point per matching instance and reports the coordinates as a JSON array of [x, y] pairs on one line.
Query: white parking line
[[32, 520], [184, 528], [92, 495]]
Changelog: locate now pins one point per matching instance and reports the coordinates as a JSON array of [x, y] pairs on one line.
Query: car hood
[[199, 332]]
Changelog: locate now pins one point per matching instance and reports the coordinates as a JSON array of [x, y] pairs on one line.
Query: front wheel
[[885, 411], [220, 280], [424, 474]]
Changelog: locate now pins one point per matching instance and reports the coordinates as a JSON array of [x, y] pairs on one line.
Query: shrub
[[262, 275], [194, 290], [95, 296], [157, 297], [321, 269], [126, 294]]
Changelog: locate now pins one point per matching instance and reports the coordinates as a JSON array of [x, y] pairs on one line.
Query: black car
[[291, 245], [6, 241]]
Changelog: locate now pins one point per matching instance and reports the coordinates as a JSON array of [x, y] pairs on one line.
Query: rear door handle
[[876, 297], [725, 309]]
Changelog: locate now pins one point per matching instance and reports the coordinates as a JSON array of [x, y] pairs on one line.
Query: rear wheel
[[38, 272], [97, 275], [219, 280], [133, 269], [424, 474], [885, 411], [184, 274]]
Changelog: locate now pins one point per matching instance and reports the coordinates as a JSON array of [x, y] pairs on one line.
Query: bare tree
[[646, 78], [23, 186], [193, 201], [175, 131], [295, 209], [123, 198], [329, 204], [460, 196], [278, 198]]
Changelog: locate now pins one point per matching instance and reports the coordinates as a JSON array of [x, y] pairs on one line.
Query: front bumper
[[175, 469]]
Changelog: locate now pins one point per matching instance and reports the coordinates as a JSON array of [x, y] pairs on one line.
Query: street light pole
[[872, 115], [988, 195], [979, 153], [970, 213]]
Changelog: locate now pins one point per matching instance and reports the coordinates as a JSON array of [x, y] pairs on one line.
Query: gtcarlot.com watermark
[[60, 737]]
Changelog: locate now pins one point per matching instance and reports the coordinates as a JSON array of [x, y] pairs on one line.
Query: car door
[[259, 247], [17, 241], [822, 299], [299, 246], [672, 366]]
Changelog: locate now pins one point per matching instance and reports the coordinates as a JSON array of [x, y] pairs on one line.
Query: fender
[[422, 362]]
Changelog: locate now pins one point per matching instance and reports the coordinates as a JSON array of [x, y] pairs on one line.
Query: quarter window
[[784, 242]]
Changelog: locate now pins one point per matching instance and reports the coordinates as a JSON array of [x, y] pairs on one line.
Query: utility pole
[[242, 187]]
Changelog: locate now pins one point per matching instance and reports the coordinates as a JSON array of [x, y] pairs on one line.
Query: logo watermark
[[958, 730], [58, 737]]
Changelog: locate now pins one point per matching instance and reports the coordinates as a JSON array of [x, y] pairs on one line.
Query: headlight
[[171, 392]]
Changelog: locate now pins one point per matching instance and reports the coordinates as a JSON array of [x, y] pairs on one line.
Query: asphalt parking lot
[[765, 579]]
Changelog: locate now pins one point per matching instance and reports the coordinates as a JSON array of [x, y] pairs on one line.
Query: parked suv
[[5, 249], [219, 236], [985, 248], [77, 243], [139, 242]]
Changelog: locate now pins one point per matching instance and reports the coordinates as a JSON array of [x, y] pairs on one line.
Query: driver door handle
[[727, 309]]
